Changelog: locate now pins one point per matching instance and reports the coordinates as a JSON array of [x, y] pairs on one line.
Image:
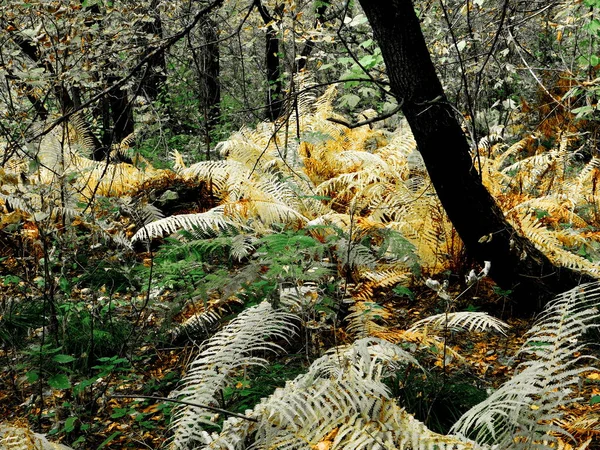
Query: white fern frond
[[237, 345], [463, 320], [340, 403], [525, 411], [210, 220]]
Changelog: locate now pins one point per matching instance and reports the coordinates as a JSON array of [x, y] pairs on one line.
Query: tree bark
[[309, 45], [155, 75], [515, 263], [273, 62], [209, 78]]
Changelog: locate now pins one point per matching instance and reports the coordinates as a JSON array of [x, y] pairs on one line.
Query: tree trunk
[[209, 80], [121, 113], [155, 75], [273, 62], [309, 45], [515, 263]]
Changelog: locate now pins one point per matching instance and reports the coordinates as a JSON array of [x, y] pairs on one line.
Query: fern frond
[[213, 219], [464, 320], [525, 411], [355, 255], [205, 321], [363, 317], [342, 403], [19, 438], [235, 346]]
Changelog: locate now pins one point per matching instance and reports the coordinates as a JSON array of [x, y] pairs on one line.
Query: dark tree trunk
[[273, 63], [309, 45], [209, 80], [515, 263], [121, 113], [154, 77], [60, 91]]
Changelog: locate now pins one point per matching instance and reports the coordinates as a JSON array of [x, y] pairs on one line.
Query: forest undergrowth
[[309, 257]]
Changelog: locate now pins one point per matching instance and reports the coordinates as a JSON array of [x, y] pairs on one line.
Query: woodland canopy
[[299, 224]]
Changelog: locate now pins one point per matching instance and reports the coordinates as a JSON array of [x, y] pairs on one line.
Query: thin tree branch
[[149, 56], [183, 402], [367, 121]]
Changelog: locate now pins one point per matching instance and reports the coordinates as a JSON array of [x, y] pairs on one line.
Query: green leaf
[[594, 400], [594, 26], [32, 376], [108, 439], [119, 412], [59, 381], [404, 291], [63, 359], [70, 424]]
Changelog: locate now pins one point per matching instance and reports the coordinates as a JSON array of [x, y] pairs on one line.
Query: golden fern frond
[[367, 319], [218, 174], [559, 206], [537, 173], [14, 437], [548, 242], [252, 155], [507, 153], [386, 276]]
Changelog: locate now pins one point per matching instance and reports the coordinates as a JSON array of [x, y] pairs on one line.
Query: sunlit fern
[[549, 198], [14, 437]]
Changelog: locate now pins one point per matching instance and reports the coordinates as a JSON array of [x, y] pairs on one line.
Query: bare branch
[[183, 402], [367, 121], [149, 56]]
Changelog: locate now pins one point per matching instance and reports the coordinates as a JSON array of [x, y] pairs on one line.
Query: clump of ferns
[[527, 411], [548, 197], [342, 401]]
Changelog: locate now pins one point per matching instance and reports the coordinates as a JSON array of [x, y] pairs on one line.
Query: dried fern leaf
[[464, 320], [525, 412], [19, 438], [213, 219], [237, 345], [341, 402]]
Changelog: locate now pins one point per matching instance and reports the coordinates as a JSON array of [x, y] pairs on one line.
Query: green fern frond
[[235, 346], [355, 255]]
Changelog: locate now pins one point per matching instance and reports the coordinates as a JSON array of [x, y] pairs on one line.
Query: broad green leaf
[[70, 424], [32, 376], [63, 359], [59, 381]]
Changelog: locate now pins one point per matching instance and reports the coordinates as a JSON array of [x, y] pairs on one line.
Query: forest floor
[[104, 413]]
